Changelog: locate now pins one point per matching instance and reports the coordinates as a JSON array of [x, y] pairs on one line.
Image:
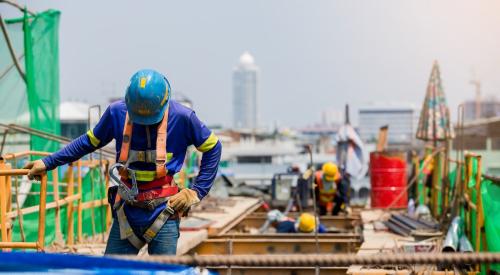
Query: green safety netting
[[41, 40], [34, 102], [490, 196], [13, 93], [491, 206]]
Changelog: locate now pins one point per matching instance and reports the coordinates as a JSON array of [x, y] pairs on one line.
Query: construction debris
[[405, 225]]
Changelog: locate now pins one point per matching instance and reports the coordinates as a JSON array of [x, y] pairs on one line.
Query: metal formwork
[[265, 246]]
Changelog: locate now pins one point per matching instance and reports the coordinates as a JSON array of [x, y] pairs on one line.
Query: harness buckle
[[128, 194], [169, 209], [150, 155], [141, 156]]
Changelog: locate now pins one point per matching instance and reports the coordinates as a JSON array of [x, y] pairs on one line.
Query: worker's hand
[[181, 201], [37, 169], [307, 174], [348, 211]]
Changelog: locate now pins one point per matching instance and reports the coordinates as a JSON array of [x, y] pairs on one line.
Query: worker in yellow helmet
[[304, 224], [328, 192]]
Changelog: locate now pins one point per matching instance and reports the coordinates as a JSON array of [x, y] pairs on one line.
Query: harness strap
[[161, 146], [162, 218], [126, 231], [148, 156], [142, 175], [127, 137]]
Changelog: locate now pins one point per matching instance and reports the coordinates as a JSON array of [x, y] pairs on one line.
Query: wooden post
[[108, 208], [8, 186], [79, 216], [8, 190], [41, 212], [3, 205], [70, 188], [55, 184]]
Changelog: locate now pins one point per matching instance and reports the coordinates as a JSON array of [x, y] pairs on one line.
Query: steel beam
[[274, 246]]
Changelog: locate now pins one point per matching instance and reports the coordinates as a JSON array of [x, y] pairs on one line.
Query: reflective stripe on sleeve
[[95, 141], [209, 143]]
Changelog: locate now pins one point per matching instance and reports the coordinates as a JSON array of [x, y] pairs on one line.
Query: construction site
[[425, 203]]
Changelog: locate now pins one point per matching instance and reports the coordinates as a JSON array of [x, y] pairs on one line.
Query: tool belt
[[149, 204]]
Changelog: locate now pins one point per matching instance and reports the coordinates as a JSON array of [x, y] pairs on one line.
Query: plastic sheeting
[[39, 263]]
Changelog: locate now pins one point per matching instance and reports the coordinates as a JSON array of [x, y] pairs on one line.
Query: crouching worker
[[152, 133], [328, 181], [283, 224]]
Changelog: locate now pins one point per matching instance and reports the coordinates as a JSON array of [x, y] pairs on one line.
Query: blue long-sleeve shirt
[[184, 129]]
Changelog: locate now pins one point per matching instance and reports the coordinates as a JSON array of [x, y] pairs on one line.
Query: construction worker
[[152, 133], [283, 224], [329, 195]]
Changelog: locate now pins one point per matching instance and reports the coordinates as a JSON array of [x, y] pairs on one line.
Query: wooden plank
[[22, 245], [190, 239], [274, 246], [223, 220], [50, 205], [237, 220], [95, 203], [382, 138]]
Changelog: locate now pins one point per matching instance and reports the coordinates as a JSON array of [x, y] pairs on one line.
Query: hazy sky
[[313, 55]]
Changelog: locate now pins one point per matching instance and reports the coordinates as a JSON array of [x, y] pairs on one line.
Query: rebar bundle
[[323, 260]]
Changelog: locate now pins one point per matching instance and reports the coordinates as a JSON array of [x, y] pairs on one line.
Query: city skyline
[[313, 57]]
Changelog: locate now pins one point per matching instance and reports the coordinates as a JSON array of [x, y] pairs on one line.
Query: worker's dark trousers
[[165, 243], [337, 201]]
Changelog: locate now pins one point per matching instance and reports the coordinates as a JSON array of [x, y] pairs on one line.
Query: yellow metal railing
[[7, 214]]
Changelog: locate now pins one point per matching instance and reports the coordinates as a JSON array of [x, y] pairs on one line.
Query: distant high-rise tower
[[245, 76]]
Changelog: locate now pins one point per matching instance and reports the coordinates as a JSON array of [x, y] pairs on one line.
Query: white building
[[245, 79], [402, 120], [74, 118]]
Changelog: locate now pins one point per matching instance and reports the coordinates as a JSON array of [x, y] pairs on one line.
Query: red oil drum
[[388, 179]]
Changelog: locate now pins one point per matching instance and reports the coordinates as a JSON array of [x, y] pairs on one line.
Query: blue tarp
[[44, 263]]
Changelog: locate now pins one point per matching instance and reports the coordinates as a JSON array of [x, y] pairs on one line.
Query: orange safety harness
[[162, 185]]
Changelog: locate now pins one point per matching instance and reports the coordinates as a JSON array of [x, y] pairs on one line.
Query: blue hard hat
[[147, 97]]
